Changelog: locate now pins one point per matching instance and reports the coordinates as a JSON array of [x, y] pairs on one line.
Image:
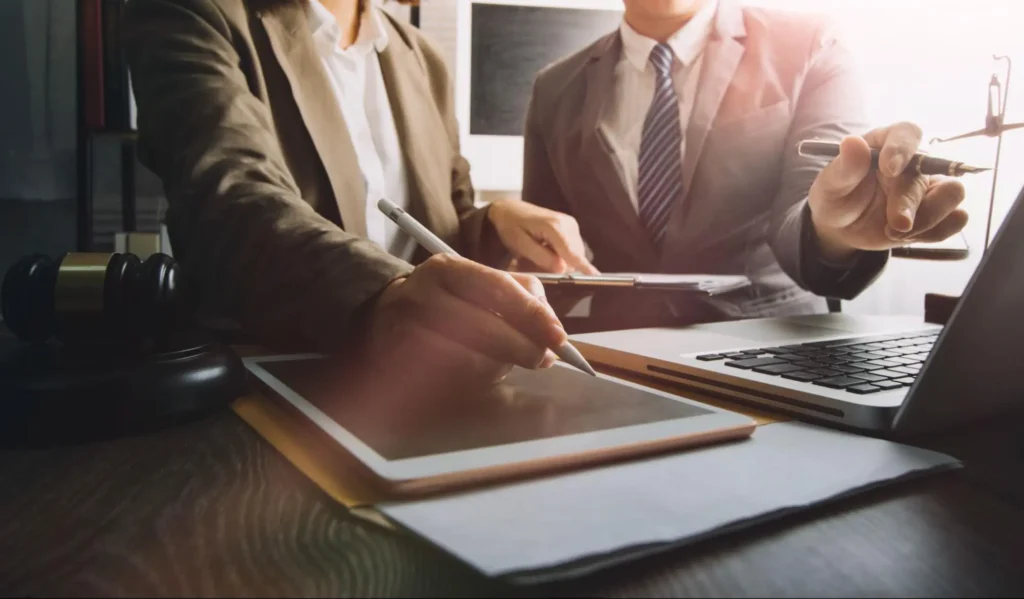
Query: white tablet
[[413, 441]]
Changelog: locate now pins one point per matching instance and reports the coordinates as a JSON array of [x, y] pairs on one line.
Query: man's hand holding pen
[[855, 206]]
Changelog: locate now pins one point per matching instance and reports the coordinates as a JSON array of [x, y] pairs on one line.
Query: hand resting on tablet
[[454, 319]]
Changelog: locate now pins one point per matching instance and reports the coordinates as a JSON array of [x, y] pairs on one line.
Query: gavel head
[[93, 295]]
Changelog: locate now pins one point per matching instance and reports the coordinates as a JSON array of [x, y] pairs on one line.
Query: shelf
[[123, 134]]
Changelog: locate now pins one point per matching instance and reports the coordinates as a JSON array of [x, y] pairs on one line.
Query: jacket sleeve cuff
[[482, 239], [841, 281]]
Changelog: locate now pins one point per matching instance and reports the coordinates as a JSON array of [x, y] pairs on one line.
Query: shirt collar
[[372, 32], [687, 43]]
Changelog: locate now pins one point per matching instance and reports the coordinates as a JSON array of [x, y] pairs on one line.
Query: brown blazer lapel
[[598, 152], [721, 58], [287, 28], [421, 132]]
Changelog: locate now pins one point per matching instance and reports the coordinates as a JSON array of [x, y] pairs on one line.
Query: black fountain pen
[[922, 163]]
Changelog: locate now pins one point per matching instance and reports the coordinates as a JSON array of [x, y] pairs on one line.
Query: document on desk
[[694, 283], [577, 523]]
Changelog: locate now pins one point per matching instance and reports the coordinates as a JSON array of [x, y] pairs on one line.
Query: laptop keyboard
[[860, 365]]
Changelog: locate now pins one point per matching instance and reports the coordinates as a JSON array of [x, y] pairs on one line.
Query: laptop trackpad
[[670, 343], [771, 330], [749, 334]]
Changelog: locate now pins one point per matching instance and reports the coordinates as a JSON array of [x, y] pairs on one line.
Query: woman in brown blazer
[[275, 126]]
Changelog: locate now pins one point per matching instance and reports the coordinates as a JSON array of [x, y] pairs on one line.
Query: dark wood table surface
[[211, 509]]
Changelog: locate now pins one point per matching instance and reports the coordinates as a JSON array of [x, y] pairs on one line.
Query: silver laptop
[[890, 375]]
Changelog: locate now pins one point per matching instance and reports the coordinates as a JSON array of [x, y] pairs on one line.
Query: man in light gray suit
[[672, 142]]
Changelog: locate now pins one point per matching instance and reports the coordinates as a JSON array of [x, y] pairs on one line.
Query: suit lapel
[[420, 131], [599, 154], [721, 59], [287, 28]]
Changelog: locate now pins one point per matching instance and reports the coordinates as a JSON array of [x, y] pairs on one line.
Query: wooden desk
[[211, 509]]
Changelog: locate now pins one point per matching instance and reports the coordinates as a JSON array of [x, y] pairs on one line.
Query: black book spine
[[115, 71]]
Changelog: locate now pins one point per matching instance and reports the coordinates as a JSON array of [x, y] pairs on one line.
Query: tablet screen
[[399, 420]]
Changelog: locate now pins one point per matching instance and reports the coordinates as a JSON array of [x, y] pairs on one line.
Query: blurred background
[[928, 61]]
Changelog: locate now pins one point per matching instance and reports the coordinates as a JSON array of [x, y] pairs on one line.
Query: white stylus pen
[[423, 236]]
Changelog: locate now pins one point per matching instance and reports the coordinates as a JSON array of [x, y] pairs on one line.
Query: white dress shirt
[[635, 80], [359, 87]]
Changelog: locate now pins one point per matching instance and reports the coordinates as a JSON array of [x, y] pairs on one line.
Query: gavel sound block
[[104, 347]]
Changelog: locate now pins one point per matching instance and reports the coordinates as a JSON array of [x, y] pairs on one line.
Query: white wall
[[437, 18], [401, 11]]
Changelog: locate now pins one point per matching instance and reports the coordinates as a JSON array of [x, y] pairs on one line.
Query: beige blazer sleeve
[[256, 251], [479, 237], [830, 106]]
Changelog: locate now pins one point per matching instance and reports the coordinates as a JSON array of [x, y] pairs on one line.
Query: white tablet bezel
[[452, 463]]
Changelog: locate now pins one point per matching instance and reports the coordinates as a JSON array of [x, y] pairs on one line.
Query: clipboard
[[696, 283]]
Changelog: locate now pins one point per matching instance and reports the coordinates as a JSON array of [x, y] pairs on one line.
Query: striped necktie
[[660, 168]]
